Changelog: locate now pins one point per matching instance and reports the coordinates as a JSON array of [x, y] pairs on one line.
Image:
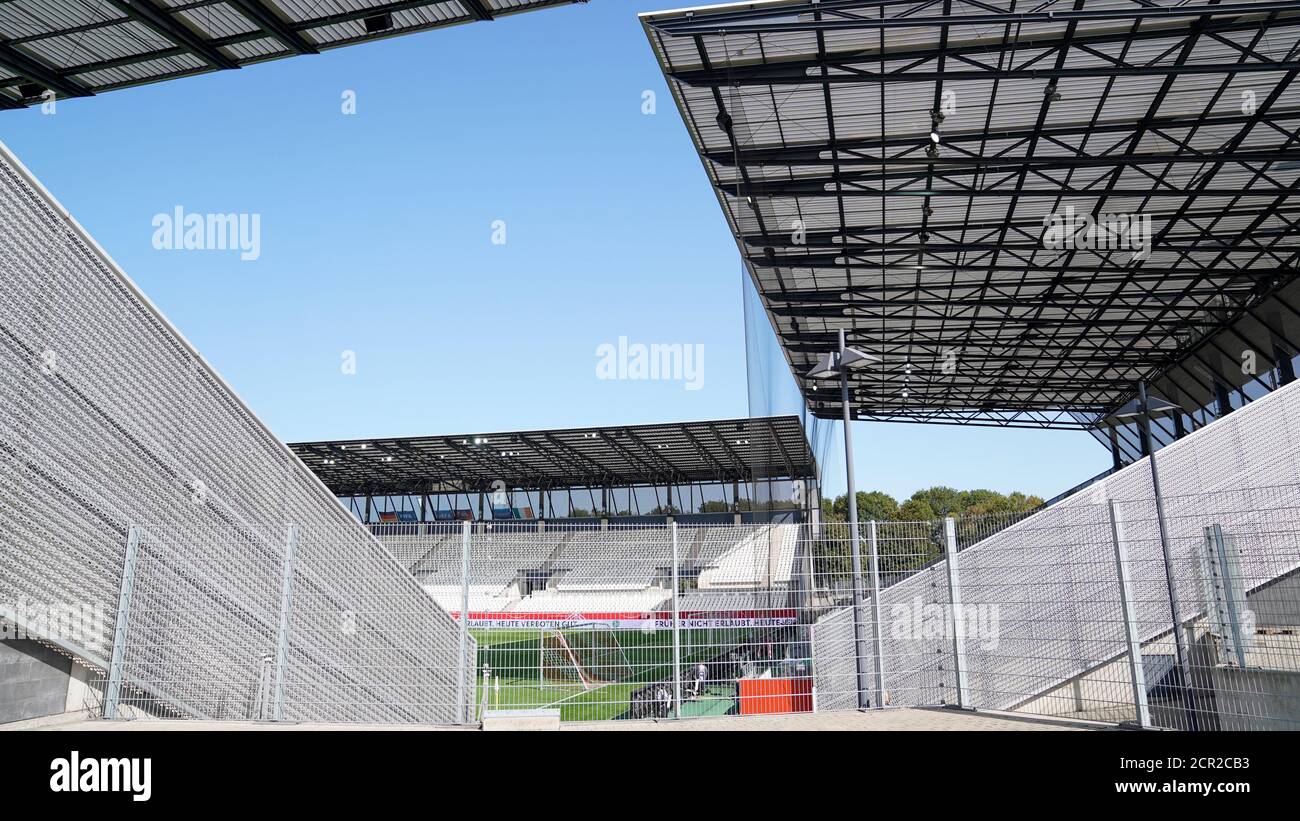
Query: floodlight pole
[[859, 631], [1144, 423], [877, 637]]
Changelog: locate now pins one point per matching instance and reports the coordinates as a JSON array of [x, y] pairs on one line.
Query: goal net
[[588, 655]]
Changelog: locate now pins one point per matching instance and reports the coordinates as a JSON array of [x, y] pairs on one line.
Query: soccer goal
[[587, 654]]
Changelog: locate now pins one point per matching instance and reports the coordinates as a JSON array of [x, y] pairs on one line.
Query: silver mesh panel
[[1051, 581], [108, 418]]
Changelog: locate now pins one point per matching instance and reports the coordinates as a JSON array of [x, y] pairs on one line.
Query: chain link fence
[[1071, 612], [1066, 612], [224, 624]]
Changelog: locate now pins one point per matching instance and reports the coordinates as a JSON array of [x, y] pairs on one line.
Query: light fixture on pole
[[829, 366], [1141, 410]]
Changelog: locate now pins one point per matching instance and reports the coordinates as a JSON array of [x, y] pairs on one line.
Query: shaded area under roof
[[78, 48], [814, 122], [722, 451]]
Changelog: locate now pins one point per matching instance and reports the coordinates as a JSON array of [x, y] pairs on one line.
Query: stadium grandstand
[[563, 536], [611, 569], [697, 471], [80, 48]]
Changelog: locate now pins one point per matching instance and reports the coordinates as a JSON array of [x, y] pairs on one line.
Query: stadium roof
[[77, 48], [731, 450], [817, 125]]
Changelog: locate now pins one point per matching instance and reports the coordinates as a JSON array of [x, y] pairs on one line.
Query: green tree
[[929, 503], [1023, 503], [944, 501], [916, 510], [715, 507], [984, 502], [978, 499], [828, 511], [874, 504]]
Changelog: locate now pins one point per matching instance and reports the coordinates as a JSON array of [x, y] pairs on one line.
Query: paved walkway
[[899, 719], [895, 720]]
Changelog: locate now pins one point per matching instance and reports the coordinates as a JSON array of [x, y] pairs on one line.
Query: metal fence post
[[286, 616], [1175, 609], [461, 669], [262, 701], [677, 632], [1229, 594], [859, 630], [113, 690], [956, 616], [812, 661], [876, 633], [1136, 671]]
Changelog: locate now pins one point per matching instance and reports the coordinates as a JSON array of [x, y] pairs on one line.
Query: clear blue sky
[[376, 238]]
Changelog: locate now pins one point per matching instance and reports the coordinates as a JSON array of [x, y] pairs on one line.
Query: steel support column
[[1132, 636], [859, 629], [1175, 611], [126, 591], [286, 619], [956, 616]]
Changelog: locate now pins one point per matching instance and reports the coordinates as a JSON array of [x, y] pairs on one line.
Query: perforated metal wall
[[108, 418], [1052, 580]]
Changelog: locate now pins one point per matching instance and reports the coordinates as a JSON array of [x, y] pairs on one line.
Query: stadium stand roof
[[78, 48], [890, 167], [731, 450]]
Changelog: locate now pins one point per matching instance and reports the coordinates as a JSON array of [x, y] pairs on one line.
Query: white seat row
[[595, 601], [763, 557]]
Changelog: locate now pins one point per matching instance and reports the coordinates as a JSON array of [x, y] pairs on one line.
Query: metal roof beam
[[806, 153], [791, 18], [477, 8], [673, 472], [966, 163], [854, 187], [267, 20], [779, 74], [150, 15], [40, 73], [707, 455]]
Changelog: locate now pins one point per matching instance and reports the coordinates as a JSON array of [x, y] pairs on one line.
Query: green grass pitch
[[514, 657]]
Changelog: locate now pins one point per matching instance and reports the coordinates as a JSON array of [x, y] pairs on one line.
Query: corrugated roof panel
[[118, 77], [216, 21], [1123, 108], [260, 49], [26, 18], [124, 40], [116, 47], [705, 451]]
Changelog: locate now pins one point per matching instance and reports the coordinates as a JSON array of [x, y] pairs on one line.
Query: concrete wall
[[1257, 699], [1106, 692], [1277, 604], [34, 680]]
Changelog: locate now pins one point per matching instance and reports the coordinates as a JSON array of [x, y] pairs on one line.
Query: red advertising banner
[[695, 620]]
